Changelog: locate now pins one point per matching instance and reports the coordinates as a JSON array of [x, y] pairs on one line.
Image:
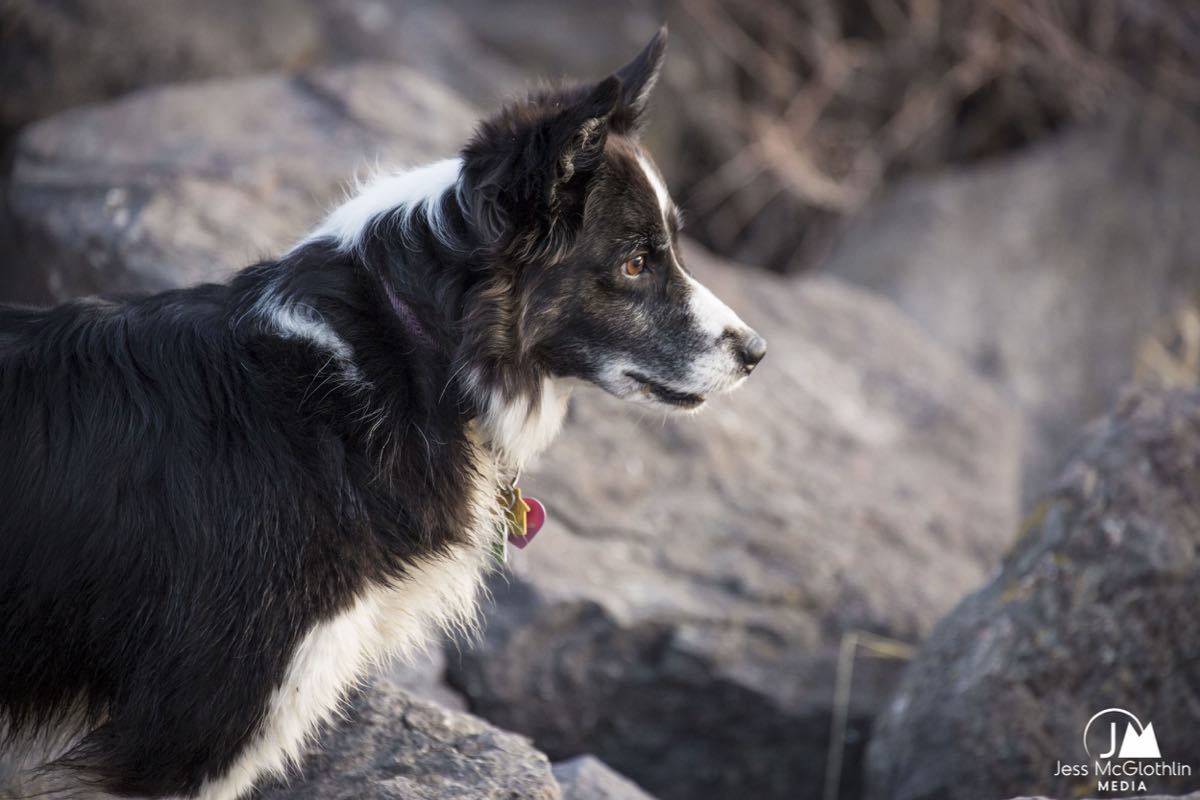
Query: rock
[[423, 675], [466, 45], [681, 613], [588, 778], [57, 55], [392, 746], [1093, 608], [1042, 269], [61, 55], [155, 190]]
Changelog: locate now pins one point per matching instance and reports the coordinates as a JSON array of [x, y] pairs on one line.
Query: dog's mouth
[[665, 394]]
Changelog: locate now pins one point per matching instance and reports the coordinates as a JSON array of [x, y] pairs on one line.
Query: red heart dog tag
[[535, 518]]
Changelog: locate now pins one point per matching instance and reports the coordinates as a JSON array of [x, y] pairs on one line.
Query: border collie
[[220, 505]]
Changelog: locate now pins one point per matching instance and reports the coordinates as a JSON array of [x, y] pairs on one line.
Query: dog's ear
[[528, 168], [637, 79], [577, 136]]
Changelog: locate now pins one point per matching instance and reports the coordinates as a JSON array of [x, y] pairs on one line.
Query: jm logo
[[1138, 741]]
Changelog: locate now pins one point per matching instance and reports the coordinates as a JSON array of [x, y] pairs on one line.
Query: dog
[[223, 504]]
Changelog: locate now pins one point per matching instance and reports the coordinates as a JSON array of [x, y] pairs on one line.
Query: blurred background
[[969, 230]]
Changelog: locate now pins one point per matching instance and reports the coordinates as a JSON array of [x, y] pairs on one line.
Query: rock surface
[[392, 746], [155, 190], [1094, 608], [57, 55], [1043, 270], [588, 778], [423, 675], [681, 613]]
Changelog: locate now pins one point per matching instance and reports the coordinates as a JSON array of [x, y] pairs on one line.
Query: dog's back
[[127, 546]]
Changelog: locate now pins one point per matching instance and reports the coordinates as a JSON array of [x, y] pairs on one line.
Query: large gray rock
[[392, 746], [589, 778], [56, 55], [158, 189], [681, 614], [484, 55], [1043, 270], [423, 675], [60, 55], [1093, 608]]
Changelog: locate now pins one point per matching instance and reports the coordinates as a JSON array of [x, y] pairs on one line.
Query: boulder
[[486, 56], [423, 675], [156, 190], [392, 746], [61, 55], [1093, 608], [57, 55], [681, 614], [1042, 269], [588, 778]]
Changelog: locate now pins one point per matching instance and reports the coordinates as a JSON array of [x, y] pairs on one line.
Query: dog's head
[[582, 227]]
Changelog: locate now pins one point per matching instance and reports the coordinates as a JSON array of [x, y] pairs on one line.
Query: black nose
[[751, 349]]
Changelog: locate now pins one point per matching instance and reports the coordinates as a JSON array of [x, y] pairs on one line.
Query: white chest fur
[[439, 596], [519, 428]]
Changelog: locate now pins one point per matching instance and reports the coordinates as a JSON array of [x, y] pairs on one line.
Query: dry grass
[[1170, 356], [835, 96]]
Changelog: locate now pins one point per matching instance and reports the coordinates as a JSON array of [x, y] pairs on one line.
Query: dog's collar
[[408, 317], [520, 517]]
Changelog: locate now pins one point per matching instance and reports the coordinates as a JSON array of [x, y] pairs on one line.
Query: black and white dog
[[219, 506]]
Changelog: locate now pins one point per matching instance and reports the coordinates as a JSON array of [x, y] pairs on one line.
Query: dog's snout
[[750, 348]]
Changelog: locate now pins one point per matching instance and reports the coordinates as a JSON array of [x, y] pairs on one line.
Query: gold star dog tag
[[523, 518], [518, 514]]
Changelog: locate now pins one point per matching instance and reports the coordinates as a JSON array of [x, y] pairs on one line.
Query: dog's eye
[[634, 266]]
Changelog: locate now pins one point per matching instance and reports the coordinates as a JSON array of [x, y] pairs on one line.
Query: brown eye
[[634, 266]]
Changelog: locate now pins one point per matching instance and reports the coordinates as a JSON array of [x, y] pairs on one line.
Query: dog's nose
[[751, 349]]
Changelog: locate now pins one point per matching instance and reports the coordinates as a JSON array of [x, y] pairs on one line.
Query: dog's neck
[[518, 428], [403, 240]]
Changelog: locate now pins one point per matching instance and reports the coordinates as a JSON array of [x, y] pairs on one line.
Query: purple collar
[[406, 315]]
